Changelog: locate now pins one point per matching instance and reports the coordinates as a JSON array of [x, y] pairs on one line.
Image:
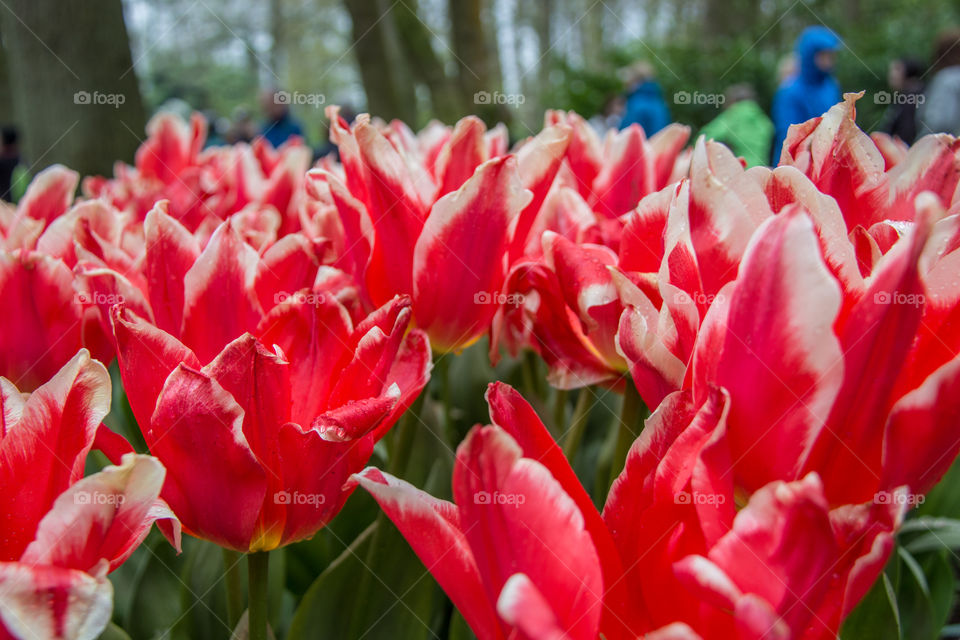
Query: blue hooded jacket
[[646, 107], [811, 92]]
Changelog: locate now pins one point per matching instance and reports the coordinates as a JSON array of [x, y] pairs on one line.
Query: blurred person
[[13, 174], [787, 68], [215, 128], [904, 76], [644, 103], [812, 90], [610, 116], [242, 127], [742, 125], [280, 125], [940, 111]]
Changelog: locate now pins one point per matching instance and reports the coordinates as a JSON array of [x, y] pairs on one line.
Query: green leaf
[[155, 602], [113, 632], [398, 598], [876, 617], [459, 630]]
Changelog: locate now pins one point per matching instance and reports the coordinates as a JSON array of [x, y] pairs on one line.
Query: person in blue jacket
[[644, 101], [812, 90], [280, 125]]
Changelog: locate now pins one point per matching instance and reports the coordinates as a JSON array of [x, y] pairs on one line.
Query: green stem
[[560, 410], [628, 428], [258, 565], [442, 369], [586, 398], [403, 436], [234, 583]]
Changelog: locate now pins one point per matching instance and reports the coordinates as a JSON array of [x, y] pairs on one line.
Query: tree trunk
[[74, 88], [425, 65], [475, 64], [389, 92]]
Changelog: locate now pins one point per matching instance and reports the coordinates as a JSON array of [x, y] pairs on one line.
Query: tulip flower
[[258, 360], [523, 553], [63, 533], [523, 550], [440, 235], [205, 186], [824, 382]]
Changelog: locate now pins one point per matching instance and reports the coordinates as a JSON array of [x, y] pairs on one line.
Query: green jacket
[[746, 129]]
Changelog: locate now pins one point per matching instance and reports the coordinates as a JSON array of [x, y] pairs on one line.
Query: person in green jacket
[[742, 126]]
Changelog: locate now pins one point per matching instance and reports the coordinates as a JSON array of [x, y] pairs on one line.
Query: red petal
[[459, 257], [170, 253], [146, 356], [432, 527], [52, 602], [780, 361], [502, 496], [45, 331], [220, 303], [104, 516], [214, 483], [45, 450]]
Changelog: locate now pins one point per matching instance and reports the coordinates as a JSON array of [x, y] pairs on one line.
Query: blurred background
[[81, 78]]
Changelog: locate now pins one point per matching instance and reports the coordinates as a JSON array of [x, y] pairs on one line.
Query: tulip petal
[[433, 529], [503, 496], [921, 438], [779, 361], [513, 414], [460, 254], [104, 516], [170, 253], [522, 605], [45, 451], [146, 356], [214, 483], [315, 335], [461, 155], [220, 304], [45, 331], [52, 602], [49, 194]]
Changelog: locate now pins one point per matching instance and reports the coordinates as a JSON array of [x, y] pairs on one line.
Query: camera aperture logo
[[696, 97], [512, 99], [300, 98], [97, 98], [898, 498], [496, 297], [499, 498], [299, 297], [685, 497], [898, 298], [298, 498], [99, 298], [98, 498]]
